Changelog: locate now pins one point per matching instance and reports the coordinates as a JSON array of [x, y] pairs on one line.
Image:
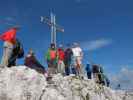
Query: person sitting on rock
[[33, 63]]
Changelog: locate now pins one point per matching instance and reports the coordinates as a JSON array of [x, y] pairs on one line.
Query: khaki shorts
[[77, 61]]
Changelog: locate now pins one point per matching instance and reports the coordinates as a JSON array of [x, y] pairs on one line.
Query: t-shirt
[[77, 51], [8, 45], [68, 54], [61, 54]]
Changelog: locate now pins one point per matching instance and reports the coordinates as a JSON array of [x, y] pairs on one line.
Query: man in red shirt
[[61, 57], [9, 38]]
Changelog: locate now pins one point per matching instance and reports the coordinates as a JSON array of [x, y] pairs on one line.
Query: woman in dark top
[[33, 63]]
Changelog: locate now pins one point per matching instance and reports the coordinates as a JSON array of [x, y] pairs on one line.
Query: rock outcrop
[[22, 83]]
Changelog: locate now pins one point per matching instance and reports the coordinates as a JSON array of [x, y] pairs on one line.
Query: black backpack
[[21, 53], [18, 49], [95, 68]]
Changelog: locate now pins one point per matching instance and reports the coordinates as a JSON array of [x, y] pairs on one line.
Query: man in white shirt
[[77, 58]]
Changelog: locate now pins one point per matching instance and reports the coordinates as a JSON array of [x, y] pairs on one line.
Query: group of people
[[65, 61], [59, 59], [96, 72], [13, 50]]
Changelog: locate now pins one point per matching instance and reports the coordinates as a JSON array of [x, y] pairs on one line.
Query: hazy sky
[[104, 28]]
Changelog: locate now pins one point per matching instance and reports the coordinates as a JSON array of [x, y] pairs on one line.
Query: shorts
[[76, 61]]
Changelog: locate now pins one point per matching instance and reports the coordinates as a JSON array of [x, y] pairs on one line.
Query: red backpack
[[53, 54]]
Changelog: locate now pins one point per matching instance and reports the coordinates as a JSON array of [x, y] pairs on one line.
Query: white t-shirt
[[77, 51], [8, 45]]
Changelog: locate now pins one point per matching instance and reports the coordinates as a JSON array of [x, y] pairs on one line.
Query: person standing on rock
[[68, 59], [17, 53], [101, 76], [77, 58], [88, 70], [52, 59], [107, 81], [9, 38], [95, 71], [61, 65]]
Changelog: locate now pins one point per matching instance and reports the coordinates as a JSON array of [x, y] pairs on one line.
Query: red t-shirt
[[61, 54]]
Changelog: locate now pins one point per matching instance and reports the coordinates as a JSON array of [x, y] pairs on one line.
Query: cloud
[[124, 77], [95, 44], [9, 19]]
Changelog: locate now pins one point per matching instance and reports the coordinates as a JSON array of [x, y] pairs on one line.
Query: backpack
[[53, 54], [21, 53], [95, 68], [18, 49]]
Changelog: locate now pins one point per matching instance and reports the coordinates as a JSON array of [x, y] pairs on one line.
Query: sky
[[103, 28]]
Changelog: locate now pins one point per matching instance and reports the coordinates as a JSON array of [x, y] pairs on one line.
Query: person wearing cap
[[61, 58], [31, 62], [77, 58], [9, 38]]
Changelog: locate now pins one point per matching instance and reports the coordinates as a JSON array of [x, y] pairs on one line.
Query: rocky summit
[[22, 83]]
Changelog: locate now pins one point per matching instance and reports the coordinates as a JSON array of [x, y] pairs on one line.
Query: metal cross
[[54, 27]]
